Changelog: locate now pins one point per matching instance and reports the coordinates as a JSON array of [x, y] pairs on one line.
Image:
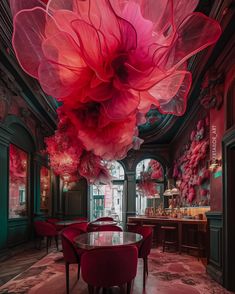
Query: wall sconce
[[214, 164]]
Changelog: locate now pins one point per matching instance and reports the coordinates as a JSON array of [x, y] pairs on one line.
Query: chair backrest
[[146, 244], [52, 220], [80, 226], [105, 228], [68, 245], [107, 267], [44, 229], [104, 218]]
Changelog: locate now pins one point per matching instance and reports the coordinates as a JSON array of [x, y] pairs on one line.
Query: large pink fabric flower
[[110, 61], [106, 138], [113, 52]]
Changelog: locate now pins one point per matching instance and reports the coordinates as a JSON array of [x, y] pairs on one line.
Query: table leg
[[179, 236]]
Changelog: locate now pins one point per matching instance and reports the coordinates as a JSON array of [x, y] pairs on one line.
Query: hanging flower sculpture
[[110, 61], [69, 158]]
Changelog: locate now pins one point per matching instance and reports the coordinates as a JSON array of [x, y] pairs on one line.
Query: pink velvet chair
[[45, 229], [144, 247], [108, 267], [71, 253]]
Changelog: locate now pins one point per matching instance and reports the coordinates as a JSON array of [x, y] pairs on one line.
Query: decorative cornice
[[212, 89]]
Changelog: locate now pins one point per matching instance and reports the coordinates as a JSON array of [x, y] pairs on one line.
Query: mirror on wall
[[18, 182], [149, 185], [45, 189]]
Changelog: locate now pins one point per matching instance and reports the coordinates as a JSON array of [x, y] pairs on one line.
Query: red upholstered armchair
[[145, 246], [71, 253], [80, 226], [108, 267], [94, 228], [44, 229], [104, 219], [53, 221]]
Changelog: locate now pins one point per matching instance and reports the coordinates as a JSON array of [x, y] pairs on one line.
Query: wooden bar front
[[179, 223]]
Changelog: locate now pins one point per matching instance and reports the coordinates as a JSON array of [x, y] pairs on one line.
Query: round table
[[104, 223], [69, 222], [106, 239]]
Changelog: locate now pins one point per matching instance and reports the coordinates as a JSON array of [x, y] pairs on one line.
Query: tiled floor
[[169, 273]]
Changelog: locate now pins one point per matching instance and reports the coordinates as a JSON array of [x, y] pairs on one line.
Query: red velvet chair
[[80, 226], [144, 247], [71, 253], [93, 228], [108, 267], [45, 229], [53, 221], [104, 219]]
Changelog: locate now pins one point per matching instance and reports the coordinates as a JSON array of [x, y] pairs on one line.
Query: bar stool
[[169, 236], [193, 240]]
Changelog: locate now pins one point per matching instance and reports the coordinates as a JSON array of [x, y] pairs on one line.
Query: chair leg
[[56, 242], [48, 242], [147, 267], [128, 287], [144, 272], [78, 275], [90, 289], [67, 276], [40, 243]]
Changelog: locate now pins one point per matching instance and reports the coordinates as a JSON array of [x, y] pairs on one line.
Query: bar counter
[[178, 222]]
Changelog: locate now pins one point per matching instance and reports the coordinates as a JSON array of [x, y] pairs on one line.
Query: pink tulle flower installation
[[110, 61]]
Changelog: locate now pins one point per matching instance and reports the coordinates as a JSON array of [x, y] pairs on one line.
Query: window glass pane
[[116, 170], [106, 200], [45, 188], [18, 167]]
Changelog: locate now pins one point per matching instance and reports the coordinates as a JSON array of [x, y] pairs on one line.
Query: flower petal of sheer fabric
[[119, 57]]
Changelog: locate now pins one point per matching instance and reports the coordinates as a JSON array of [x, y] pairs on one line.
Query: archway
[[150, 184], [107, 200]]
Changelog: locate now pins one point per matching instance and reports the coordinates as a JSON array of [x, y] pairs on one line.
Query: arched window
[[150, 183], [106, 200]]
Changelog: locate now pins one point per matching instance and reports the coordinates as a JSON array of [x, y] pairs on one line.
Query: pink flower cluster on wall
[[191, 167], [108, 62]]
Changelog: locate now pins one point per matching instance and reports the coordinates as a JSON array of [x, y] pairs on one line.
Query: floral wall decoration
[[147, 182], [109, 62], [18, 180], [191, 168]]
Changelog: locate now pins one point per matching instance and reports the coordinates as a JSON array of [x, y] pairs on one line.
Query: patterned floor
[[169, 273], [18, 261]]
